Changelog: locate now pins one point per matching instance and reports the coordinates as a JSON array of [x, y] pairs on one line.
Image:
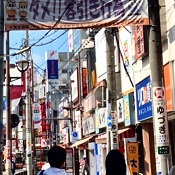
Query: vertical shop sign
[[36, 115], [84, 83], [120, 110], [161, 121], [132, 157], [167, 84], [52, 68], [141, 44], [43, 119]]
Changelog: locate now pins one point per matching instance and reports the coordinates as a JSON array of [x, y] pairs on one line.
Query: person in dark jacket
[[115, 163]]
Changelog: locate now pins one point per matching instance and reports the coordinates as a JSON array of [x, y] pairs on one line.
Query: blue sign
[[4, 103], [144, 99], [109, 121], [52, 69], [75, 134]]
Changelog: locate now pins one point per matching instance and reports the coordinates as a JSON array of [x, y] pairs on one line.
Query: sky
[[38, 52]]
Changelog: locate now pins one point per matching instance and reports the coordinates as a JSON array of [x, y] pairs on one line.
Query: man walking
[[57, 161]]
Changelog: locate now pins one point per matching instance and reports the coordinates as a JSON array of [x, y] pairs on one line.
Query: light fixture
[[22, 65], [55, 94]]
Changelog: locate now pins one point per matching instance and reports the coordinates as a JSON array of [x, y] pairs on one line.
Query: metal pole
[[76, 158], [1, 78], [8, 118], [32, 123], [160, 120], [28, 116], [111, 86]]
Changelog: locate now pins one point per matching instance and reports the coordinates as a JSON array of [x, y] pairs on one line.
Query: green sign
[[163, 149]]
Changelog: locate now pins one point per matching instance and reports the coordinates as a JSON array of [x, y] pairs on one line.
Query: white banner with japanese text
[[62, 14]]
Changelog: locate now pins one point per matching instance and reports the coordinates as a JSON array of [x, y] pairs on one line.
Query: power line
[[52, 39], [53, 27], [59, 19]]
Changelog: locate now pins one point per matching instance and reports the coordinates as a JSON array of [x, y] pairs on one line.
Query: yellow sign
[[132, 157]]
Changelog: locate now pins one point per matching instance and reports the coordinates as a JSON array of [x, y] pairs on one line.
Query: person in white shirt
[[57, 162], [45, 166]]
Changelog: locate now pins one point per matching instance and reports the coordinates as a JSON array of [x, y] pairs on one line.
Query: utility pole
[[1, 78], [112, 136], [8, 112], [160, 120], [28, 116]]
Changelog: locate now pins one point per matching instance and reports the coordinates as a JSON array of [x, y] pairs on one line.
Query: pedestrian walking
[[84, 165], [115, 163], [57, 161]]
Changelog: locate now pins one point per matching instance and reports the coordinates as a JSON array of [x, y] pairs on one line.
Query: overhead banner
[[45, 14]]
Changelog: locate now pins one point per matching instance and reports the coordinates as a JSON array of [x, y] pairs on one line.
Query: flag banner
[[63, 14], [132, 157]]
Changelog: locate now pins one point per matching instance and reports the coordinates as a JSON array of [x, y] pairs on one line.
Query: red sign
[[140, 42], [159, 93]]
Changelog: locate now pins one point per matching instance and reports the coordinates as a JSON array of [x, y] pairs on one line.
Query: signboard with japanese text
[[43, 121], [74, 85], [52, 69], [51, 56], [36, 115], [77, 122], [132, 157], [100, 118], [129, 109], [120, 110], [125, 44], [70, 40], [88, 125], [140, 41], [84, 83], [144, 99], [44, 14], [161, 120], [114, 130]]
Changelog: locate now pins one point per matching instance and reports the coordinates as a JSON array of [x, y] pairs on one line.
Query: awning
[[15, 91], [123, 130], [79, 142], [102, 139], [14, 103]]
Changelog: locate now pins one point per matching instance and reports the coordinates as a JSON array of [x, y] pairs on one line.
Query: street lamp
[[23, 66]]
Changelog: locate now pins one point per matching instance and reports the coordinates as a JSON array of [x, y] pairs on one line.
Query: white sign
[[120, 110], [114, 129], [101, 117], [125, 43], [74, 84], [161, 123], [43, 143], [36, 115]]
